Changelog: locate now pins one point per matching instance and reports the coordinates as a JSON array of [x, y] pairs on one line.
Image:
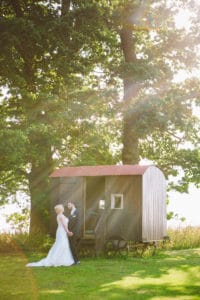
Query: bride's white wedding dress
[[60, 253]]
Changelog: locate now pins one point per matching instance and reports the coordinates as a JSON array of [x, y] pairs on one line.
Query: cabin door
[[94, 194]]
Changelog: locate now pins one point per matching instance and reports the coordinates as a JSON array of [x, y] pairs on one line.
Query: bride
[[60, 253]]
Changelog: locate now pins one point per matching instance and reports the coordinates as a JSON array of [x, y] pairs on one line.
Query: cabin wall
[[73, 189], [66, 189], [154, 224], [125, 222], [135, 209], [94, 192]]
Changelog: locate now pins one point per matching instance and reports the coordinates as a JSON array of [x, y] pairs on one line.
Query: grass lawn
[[168, 275]]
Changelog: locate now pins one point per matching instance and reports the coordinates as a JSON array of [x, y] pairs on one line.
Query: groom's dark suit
[[74, 226]]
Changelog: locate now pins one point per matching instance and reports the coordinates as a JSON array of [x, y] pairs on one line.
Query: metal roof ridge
[[100, 170]]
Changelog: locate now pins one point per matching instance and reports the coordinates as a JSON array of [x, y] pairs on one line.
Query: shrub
[[34, 243], [6, 243]]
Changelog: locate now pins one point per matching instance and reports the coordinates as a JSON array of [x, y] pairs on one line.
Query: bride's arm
[[65, 225]]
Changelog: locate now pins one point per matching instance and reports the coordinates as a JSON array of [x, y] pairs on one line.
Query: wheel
[[123, 248], [137, 249], [116, 246], [109, 249]]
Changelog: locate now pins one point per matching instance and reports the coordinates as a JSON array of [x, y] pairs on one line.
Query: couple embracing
[[64, 250]]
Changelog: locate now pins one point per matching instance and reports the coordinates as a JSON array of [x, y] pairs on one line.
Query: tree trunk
[[40, 194], [65, 6], [130, 153]]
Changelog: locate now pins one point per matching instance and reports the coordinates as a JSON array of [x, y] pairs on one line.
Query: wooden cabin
[[126, 200]]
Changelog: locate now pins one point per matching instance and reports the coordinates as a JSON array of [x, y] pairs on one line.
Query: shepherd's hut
[[117, 200]]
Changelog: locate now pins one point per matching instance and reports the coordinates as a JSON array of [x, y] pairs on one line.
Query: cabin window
[[101, 204], [117, 201]]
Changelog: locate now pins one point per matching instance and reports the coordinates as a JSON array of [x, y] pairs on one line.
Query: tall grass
[[181, 238]]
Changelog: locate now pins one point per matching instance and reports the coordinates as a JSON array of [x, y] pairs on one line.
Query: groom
[[74, 227]]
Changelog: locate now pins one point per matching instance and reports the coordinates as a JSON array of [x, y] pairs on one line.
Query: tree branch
[[17, 8], [65, 7]]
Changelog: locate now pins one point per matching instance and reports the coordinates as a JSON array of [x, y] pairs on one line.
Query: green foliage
[[47, 53], [157, 111], [19, 222], [172, 215]]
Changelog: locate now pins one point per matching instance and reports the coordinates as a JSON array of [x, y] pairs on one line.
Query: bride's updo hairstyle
[[59, 208]]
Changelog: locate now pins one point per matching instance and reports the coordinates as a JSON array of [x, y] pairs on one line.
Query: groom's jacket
[[74, 223]]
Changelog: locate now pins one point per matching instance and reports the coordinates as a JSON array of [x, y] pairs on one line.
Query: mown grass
[[173, 274]]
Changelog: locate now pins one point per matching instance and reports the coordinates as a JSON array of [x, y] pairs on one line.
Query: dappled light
[[52, 292]]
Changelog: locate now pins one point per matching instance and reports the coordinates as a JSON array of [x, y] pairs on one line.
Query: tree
[[158, 111], [47, 50]]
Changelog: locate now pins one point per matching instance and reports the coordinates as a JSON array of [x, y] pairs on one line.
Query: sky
[[5, 211], [185, 205]]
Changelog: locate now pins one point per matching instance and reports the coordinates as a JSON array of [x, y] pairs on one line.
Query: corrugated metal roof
[[100, 170]]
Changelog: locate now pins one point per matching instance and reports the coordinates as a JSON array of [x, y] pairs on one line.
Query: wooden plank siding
[[136, 209], [153, 205], [72, 189], [124, 222], [94, 191]]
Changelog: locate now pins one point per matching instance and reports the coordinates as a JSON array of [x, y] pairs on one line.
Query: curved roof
[[100, 170]]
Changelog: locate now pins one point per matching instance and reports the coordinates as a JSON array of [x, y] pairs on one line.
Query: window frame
[[113, 197]]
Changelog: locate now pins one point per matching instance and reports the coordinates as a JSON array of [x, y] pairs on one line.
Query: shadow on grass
[[151, 291]]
